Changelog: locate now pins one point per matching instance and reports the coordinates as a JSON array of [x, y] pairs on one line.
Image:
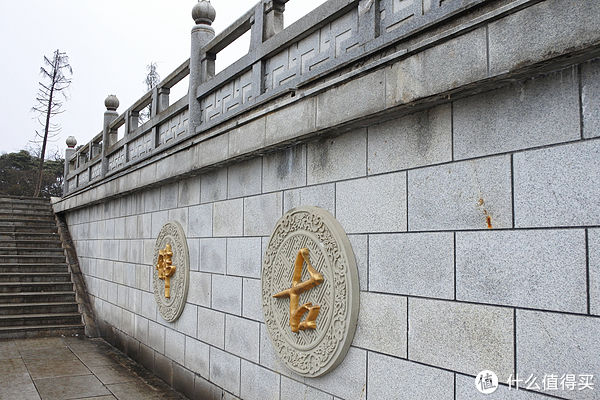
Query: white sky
[[109, 44]]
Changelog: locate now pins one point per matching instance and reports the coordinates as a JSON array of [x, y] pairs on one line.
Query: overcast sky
[[109, 44]]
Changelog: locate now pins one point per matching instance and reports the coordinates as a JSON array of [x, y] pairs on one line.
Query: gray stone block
[[594, 260], [144, 227], [168, 196], [247, 138], [205, 390], [213, 186], [242, 337], [339, 104], [380, 207], [180, 215], [558, 186], [423, 75], [533, 113], [382, 324], [244, 257], [320, 196], [251, 299], [151, 202], [349, 379], [225, 370], [188, 321], [228, 218], [211, 327], [227, 294], [156, 336], [284, 169], [189, 192], [392, 378], [543, 269], [590, 98], [293, 390], [200, 221], [258, 383], [474, 194], [415, 264], [466, 390], [213, 253], [199, 292], [159, 218], [341, 157], [559, 28], [211, 151], [360, 248], [196, 356], [175, 346], [551, 343], [244, 178], [292, 121], [261, 213], [141, 329], [415, 140], [466, 338], [194, 249]]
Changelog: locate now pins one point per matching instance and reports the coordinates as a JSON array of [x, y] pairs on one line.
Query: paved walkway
[[74, 368]]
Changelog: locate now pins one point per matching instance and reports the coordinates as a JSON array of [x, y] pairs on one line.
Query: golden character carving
[[299, 287], [165, 268]]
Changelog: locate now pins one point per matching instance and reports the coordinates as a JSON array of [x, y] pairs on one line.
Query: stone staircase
[[37, 297]]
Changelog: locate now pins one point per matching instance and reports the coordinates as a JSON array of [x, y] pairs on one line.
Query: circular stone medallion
[[170, 308], [311, 352]]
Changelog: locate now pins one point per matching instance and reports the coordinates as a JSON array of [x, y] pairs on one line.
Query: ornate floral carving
[[171, 308], [311, 352]]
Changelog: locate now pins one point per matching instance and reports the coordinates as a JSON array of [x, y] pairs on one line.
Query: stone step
[[28, 287], [27, 236], [19, 225], [40, 319], [23, 200], [33, 259], [13, 332], [8, 268], [28, 244], [38, 308], [42, 252], [26, 216], [35, 277], [27, 210], [37, 297]]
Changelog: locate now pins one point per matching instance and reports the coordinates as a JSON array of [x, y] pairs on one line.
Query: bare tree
[[56, 77], [151, 81]]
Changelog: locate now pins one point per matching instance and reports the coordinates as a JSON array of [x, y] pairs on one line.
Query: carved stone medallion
[[171, 271], [309, 272]]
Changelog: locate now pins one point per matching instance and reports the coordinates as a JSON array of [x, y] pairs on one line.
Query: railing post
[[162, 98], [369, 19], [201, 65], [108, 136], [273, 19], [69, 151]]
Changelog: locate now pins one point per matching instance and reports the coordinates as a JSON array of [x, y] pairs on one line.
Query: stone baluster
[[202, 65], [109, 137], [69, 151]]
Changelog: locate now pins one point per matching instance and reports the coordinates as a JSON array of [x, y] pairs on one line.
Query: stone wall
[[474, 225], [467, 178]]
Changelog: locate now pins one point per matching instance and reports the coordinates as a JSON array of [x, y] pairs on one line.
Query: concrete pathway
[[74, 368]]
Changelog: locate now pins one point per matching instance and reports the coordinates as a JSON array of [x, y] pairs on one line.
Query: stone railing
[[279, 61]]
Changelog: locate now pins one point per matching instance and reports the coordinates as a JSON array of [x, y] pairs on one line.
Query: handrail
[[330, 37]]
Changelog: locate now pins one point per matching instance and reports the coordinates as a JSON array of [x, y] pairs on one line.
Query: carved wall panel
[[171, 272], [173, 128], [310, 291], [228, 97]]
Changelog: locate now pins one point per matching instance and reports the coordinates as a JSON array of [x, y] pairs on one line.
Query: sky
[[109, 44]]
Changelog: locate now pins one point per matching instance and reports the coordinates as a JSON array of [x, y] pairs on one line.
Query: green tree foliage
[[19, 175]]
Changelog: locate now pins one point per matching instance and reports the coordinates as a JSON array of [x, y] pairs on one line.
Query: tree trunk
[[38, 187]]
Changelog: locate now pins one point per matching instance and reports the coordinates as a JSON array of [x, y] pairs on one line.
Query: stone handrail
[[279, 61]]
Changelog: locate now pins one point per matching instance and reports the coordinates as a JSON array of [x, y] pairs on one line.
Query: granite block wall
[[475, 226]]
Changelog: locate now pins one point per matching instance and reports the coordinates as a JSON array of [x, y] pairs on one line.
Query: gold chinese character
[[165, 268], [299, 287]]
